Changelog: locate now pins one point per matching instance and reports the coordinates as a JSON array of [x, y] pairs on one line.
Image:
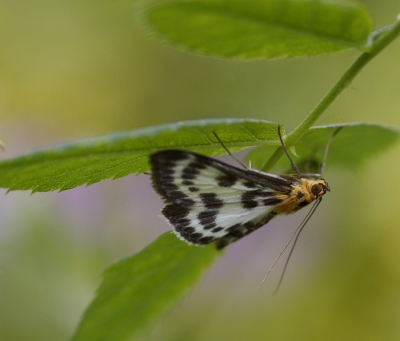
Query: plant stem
[[377, 42]]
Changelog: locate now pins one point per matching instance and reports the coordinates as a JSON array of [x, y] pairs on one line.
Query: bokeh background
[[84, 68]]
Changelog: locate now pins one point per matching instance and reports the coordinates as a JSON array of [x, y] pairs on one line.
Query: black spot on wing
[[185, 232], [181, 198], [249, 184], [238, 233], [191, 171], [175, 212], [188, 175], [299, 195], [198, 164], [168, 187], [165, 156], [233, 227], [183, 224], [249, 204], [194, 237], [248, 199], [205, 240], [207, 217], [209, 226], [217, 229], [188, 234], [187, 182], [226, 180], [211, 201], [176, 215], [190, 183], [251, 195]]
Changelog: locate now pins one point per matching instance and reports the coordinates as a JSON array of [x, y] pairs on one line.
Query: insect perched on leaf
[[210, 201]]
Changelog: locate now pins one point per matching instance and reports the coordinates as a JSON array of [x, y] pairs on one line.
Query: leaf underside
[[116, 155], [354, 145], [138, 289], [261, 28]]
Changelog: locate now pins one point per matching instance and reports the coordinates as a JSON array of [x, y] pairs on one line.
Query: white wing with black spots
[[208, 200]]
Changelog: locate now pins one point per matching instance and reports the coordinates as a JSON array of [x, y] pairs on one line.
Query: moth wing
[[208, 199]]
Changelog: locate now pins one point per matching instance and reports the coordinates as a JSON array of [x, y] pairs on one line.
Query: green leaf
[[116, 155], [112, 156], [138, 289], [262, 28], [351, 148]]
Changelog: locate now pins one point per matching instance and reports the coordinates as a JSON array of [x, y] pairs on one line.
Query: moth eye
[[316, 189]]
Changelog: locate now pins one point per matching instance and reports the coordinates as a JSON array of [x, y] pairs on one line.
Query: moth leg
[[242, 231]]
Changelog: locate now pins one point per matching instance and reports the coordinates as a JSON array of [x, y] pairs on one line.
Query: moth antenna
[[306, 219], [286, 152], [229, 152], [296, 232], [327, 149]]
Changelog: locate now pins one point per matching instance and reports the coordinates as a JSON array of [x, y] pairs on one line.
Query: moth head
[[320, 187]]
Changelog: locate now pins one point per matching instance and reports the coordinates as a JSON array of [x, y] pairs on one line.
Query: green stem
[[378, 41]]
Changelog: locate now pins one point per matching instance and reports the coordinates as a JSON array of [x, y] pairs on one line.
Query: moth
[[207, 200]]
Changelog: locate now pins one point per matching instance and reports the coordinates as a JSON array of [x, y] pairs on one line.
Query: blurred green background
[[77, 69]]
